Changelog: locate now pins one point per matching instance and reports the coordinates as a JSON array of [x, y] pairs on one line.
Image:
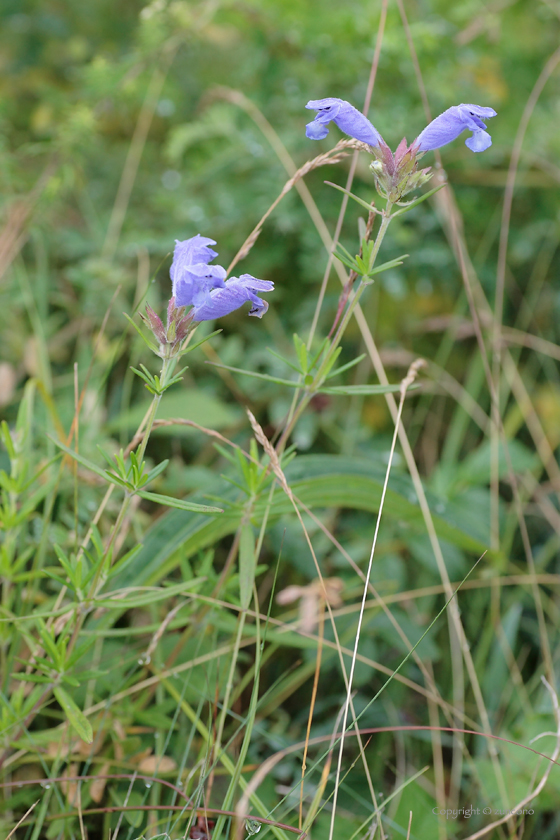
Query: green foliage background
[[119, 133]]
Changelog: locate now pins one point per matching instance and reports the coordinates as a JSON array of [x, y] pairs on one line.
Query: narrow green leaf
[[56, 577], [355, 197], [189, 349], [351, 364], [301, 351], [182, 504], [74, 714], [128, 599], [89, 465], [349, 263], [33, 678], [156, 471], [247, 564], [266, 377], [147, 379], [418, 201], [48, 642], [282, 359], [322, 346], [124, 561], [8, 443], [114, 479], [146, 341], [386, 266], [361, 389]]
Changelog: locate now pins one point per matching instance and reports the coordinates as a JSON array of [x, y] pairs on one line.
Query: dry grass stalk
[[334, 155]]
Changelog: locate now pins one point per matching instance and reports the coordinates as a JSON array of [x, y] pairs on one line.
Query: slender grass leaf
[[247, 564]]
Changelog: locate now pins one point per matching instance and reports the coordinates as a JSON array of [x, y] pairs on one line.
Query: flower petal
[[237, 291], [347, 118], [479, 142], [316, 130], [198, 278], [449, 125]]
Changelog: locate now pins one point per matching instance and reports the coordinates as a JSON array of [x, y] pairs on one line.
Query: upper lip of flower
[[346, 117]]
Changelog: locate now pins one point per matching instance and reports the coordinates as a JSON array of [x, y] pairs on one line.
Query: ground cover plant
[[293, 574]]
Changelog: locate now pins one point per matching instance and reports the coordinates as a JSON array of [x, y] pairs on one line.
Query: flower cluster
[[397, 174], [439, 132], [204, 286]]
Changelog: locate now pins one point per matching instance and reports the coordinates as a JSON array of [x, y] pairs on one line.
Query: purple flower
[[203, 286], [190, 273], [238, 290], [347, 118], [451, 123]]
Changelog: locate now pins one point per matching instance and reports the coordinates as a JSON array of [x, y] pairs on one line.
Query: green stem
[[319, 376], [99, 578]]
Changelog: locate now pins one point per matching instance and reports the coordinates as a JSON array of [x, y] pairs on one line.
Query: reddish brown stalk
[[352, 277], [117, 809]]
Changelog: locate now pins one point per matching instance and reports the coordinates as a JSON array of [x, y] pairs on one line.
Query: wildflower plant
[[202, 291], [103, 576], [194, 624]]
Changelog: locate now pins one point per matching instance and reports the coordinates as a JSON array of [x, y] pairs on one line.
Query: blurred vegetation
[[124, 127]]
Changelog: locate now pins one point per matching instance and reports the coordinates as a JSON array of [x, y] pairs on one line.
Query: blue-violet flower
[[345, 116], [204, 287], [451, 123]]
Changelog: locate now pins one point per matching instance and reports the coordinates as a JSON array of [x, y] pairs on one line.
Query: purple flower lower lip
[[235, 293], [449, 125], [345, 116], [204, 286]]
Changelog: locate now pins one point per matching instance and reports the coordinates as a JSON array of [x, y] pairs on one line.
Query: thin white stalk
[[407, 381]]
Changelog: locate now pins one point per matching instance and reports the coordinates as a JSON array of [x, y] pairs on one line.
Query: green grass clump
[[288, 589]]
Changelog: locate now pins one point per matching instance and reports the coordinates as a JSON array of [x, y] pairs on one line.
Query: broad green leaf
[[476, 467], [320, 481], [74, 714], [194, 404], [132, 798]]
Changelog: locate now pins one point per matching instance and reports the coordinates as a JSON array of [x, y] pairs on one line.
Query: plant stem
[[319, 376]]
